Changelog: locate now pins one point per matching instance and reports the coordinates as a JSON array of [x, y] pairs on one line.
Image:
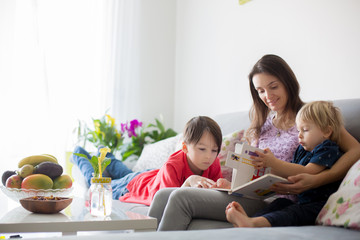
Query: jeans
[[120, 174], [284, 212]]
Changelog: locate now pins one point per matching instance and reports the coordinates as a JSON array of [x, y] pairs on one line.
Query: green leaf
[[81, 155], [340, 200], [169, 133], [94, 164], [334, 210], [105, 163], [160, 125], [128, 153]]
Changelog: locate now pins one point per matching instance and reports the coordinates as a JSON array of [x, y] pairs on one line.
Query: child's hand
[[198, 181], [264, 159], [222, 183]]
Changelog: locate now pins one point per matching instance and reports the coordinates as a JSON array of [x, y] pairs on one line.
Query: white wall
[[217, 43], [156, 55]]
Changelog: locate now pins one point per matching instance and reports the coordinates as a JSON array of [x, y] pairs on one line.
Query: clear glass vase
[[100, 197]]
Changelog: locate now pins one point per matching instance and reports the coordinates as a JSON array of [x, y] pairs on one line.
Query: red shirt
[[173, 173]]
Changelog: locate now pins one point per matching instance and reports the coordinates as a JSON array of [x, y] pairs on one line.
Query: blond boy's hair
[[324, 115]]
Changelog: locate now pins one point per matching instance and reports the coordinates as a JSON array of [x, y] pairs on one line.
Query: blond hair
[[324, 115]]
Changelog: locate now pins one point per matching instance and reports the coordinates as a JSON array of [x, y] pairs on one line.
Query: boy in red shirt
[[195, 165]]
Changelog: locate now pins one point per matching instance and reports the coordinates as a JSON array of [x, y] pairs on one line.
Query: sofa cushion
[[343, 207], [155, 155]]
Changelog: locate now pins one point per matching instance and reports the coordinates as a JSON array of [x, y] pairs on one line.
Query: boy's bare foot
[[236, 215]]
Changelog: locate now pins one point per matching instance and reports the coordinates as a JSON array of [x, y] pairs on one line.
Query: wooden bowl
[[45, 205]]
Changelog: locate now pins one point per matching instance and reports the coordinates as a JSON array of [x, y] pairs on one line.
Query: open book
[[246, 180]]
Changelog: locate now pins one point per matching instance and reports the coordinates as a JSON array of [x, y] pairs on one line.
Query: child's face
[[201, 155], [310, 135]]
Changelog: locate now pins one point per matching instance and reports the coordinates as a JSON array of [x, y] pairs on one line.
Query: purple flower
[[131, 128], [124, 127], [134, 124]]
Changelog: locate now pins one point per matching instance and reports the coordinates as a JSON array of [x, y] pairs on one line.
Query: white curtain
[[60, 61]]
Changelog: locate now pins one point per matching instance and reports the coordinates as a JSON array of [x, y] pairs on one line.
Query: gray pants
[[175, 208]]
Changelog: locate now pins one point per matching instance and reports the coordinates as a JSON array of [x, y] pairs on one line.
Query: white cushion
[[156, 154]]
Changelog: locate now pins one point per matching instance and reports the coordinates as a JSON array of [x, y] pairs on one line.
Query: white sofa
[[154, 155]]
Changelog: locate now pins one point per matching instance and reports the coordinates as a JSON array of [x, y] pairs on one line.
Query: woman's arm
[[301, 182]]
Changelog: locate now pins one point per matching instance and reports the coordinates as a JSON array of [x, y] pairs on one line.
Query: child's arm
[[302, 182], [351, 148], [282, 168]]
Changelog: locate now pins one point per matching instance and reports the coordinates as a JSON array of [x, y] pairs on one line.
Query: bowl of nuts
[[42, 204]]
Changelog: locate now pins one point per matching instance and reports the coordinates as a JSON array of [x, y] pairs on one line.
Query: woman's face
[[271, 91]]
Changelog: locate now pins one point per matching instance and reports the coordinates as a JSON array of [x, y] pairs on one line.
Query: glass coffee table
[[73, 219]]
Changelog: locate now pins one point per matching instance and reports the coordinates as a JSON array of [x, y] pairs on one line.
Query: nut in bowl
[[48, 205]]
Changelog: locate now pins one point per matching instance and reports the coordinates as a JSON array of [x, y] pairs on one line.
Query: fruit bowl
[[19, 193], [40, 204]]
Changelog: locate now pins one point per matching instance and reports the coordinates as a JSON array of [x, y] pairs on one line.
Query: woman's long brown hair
[[277, 67]]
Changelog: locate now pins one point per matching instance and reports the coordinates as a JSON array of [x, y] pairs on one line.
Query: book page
[[243, 169]]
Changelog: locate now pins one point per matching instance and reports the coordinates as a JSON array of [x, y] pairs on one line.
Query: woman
[[275, 92]]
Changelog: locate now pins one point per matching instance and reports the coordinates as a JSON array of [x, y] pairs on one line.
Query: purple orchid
[[134, 124], [124, 127]]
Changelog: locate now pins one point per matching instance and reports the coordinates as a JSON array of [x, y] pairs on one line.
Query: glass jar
[[100, 197]]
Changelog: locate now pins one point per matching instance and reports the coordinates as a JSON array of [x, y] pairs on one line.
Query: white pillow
[[156, 154], [343, 207]]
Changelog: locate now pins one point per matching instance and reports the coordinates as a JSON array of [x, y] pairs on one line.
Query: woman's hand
[[198, 181], [222, 183], [298, 184]]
